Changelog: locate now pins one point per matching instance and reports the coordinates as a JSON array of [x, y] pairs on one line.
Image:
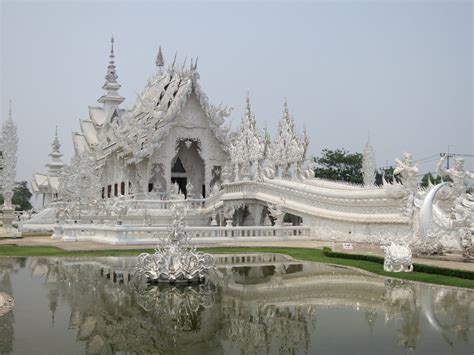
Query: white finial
[[112, 46], [160, 62], [10, 110], [196, 63], [111, 72]]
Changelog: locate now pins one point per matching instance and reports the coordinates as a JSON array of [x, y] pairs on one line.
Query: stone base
[[9, 233]]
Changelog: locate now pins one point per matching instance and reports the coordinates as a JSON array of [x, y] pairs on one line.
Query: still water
[[252, 305]]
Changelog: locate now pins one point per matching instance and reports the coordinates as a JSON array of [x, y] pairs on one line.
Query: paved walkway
[[450, 261]]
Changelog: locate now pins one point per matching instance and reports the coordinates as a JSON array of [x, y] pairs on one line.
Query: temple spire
[[55, 163], [112, 98]]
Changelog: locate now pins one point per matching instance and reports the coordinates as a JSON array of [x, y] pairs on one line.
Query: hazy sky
[[399, 69]]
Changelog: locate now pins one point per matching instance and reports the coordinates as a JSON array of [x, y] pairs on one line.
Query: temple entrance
[[187, 167], [182, 182]]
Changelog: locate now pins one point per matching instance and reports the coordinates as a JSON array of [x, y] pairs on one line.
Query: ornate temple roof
[[137, 132], [146, 125]]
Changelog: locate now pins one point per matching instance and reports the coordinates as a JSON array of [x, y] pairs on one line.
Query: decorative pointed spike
[[184, 63], [10, 110], [430, 182], [159, 61], [191, 65], [174, 60], [196, 63]]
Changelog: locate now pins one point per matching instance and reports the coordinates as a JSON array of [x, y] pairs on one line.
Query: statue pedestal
[[7, 229], [57, 232]]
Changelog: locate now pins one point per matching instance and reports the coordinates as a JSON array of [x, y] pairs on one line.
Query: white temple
[[173, 147], [45, 186]]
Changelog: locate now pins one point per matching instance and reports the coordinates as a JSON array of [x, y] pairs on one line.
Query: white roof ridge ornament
[[159, 61], [111, 98]]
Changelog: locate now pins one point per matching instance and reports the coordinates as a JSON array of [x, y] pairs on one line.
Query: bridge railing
[[125, 234]]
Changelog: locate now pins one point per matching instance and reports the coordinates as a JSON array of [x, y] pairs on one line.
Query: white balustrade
[[137, 234]]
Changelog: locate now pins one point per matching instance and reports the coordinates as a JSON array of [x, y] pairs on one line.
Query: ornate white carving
[[7, 303], [398, 258], [80, 184], [248, 147], [9, 151], [368, 164], [175, 260], [287, 148]]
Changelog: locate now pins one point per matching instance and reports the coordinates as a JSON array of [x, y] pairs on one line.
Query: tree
[[339, 165], [21, 197], [434, 179]]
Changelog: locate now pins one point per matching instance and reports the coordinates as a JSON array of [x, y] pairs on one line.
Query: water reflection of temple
[[268, 308], [7, 267]]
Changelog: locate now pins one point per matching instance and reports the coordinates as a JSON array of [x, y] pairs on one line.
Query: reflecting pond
[[257, 304]]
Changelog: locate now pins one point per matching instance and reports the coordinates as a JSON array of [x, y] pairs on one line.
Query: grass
[[36, 234], [297, 253]]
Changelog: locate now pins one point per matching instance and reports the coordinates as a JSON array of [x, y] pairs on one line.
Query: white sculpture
[[407, 172], [120, 208], [277, 213], [229, 211], [7, 303], [9, 147], [398, 258], [368, 164], [175, 260], [454, 222], [287, 148], [458, 175], [189, 190], [248, 147], [9, 155], [80, 183]]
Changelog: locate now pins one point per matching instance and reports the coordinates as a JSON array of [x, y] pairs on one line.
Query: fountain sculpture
[[175, 260]]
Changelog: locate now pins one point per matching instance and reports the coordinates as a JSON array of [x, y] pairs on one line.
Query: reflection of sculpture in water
[[114, 313], [176, 309], [7, 335], [257, 327]]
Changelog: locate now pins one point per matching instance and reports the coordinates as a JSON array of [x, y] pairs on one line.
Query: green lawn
[[297, 253]]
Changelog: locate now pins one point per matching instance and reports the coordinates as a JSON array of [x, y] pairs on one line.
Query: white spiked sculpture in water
[[175, 260]]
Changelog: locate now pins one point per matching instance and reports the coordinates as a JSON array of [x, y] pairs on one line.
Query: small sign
[[347, 246]]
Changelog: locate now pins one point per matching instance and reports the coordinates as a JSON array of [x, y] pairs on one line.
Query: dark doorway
[[181, 181]]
